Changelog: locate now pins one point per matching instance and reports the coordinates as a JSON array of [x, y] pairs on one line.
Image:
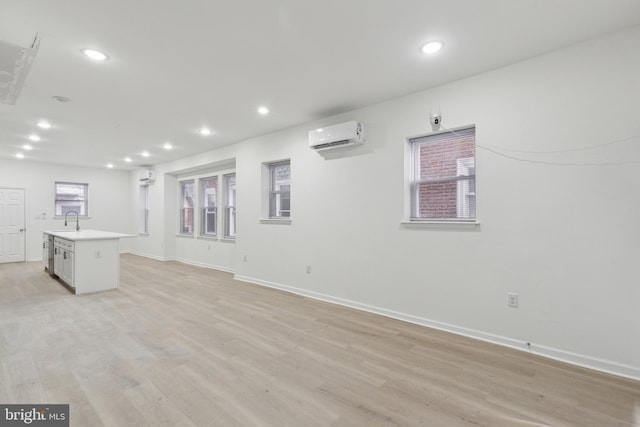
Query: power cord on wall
[[499, 151]]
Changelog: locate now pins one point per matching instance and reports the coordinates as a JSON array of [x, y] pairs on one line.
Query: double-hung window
[[72, 197], [280, 190], [230, 206], [187, 203], [208, 206], [144, 209], [443, 178]]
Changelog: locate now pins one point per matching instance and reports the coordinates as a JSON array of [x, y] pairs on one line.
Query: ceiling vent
[[15, 63]]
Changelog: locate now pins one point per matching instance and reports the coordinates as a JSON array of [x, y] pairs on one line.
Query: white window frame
[[205, 210], [79, 205], [465, 188], [229, 206], [272, 211], [184, 209]]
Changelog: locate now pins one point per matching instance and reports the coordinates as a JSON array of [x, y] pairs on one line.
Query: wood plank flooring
[[178, 345]]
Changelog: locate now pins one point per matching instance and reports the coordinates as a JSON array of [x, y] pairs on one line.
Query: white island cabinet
[[86, 260]]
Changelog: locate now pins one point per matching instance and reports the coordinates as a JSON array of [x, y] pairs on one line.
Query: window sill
[[282, 221], [207, 238], [71, 217], [190, 236], [442, 225], [228, 240], [143, 234]]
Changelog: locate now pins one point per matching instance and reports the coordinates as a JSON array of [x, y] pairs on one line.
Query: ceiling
[[174, 66]]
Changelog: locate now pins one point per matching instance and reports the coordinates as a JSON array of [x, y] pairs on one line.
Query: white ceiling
[[178, 65]]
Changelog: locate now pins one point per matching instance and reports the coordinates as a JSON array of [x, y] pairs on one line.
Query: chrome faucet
[[77, 219]]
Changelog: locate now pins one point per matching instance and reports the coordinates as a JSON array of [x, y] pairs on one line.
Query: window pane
[[444, 177], [71, 197], [208, 202], [230, 206], [144, 209], [210, 217], [280, 190], [187, 206], [281, 175]]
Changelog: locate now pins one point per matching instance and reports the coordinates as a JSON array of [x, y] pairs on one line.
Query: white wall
[[109, 199], [563, 237], [163, 241]]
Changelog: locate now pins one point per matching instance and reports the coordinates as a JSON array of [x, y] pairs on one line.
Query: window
[[208, 205], [72, 197], [443, 179], [186, 207], [144, 209], [230, 206], [280, 190]]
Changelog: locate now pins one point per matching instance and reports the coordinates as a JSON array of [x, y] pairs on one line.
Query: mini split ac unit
[[343, 134], [147, 175]]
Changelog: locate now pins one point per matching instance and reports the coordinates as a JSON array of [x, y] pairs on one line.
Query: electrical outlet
[[245, 258], [308, 269], [98, 254], [512, 299]]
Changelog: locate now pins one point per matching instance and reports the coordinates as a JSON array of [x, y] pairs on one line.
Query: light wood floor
[[178, 345]]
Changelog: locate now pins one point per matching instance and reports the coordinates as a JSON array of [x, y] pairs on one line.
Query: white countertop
[[87, 235]]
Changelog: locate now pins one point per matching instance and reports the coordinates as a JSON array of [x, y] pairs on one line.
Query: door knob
[[22, 229]]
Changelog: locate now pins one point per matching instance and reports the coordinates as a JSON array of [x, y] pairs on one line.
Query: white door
[[12, 231]]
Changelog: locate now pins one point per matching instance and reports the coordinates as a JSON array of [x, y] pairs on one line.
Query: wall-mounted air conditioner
[[343, 134], [147, 175]]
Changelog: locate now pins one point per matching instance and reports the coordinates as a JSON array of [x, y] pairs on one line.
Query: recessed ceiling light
[[20, 156], [61, 98], [94, 54], [205, 131], [167, 146], [128, 159], [110, 165], [27, 147], [43, 124], [145, 154], [431, 47], [34, 137], [263, 111]]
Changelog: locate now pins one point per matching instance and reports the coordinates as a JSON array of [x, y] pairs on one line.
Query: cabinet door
[[68, 268], [58, 260]]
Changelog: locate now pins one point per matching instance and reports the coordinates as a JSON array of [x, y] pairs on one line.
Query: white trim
[[156, 257], [584, 361], [442, 225], [201, 264], [62, 217], [282, 221], [209, 238]]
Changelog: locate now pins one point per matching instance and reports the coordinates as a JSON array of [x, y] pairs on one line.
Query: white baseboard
[[584, 361], [157, 258], [201, 264]]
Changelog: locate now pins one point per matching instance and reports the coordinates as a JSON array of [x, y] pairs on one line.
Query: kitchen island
[[84, 261]]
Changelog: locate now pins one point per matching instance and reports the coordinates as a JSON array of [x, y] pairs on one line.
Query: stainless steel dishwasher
[[49, 245]]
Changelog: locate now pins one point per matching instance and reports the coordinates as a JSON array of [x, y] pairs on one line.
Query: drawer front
[[65, 244]]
